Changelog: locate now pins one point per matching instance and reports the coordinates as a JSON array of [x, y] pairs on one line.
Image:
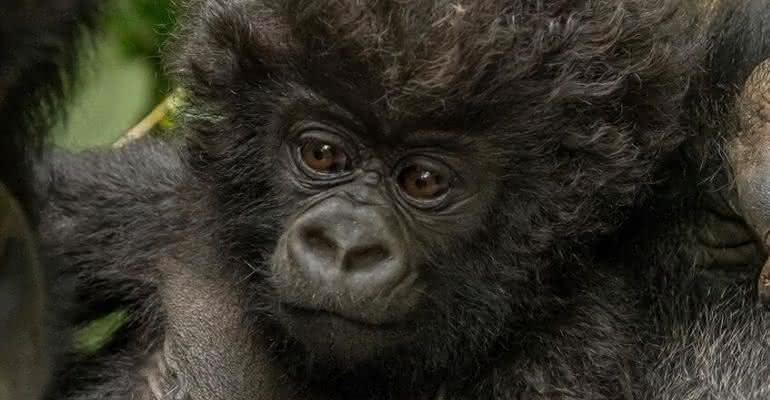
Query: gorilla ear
[[223, 41]]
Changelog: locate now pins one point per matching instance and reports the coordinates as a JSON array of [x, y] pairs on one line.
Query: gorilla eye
[[421, 183], [324, 158]]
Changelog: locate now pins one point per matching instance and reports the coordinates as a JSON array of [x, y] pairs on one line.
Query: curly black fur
[[577, 104], [589, 92]]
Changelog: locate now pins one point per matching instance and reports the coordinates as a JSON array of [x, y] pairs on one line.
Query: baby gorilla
[[392, 200]]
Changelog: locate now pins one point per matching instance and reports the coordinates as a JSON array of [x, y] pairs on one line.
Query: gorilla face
[[357, 265]]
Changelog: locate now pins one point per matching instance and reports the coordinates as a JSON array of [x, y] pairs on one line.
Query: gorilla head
[[415, 180]]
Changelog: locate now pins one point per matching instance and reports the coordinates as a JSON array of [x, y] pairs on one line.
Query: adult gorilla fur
[[37, 47], [37, 53], [565, 284]]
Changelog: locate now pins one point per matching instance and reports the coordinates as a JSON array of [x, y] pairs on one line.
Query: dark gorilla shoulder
[[110, 212], [141, 173]]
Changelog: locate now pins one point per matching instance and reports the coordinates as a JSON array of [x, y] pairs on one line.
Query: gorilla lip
[[307, 313], [331, 334]]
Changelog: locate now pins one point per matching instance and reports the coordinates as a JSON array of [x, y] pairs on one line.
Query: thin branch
[[149, 122]]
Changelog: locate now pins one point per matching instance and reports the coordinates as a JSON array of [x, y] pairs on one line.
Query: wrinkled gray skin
[[749, 155]]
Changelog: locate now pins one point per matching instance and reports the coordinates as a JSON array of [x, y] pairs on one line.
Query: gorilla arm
[[197, 327]]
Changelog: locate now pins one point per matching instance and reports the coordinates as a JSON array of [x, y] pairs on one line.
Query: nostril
[[319, 243], [366, 258]]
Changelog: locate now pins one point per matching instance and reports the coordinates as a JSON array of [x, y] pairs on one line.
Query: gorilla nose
[[357, 247]]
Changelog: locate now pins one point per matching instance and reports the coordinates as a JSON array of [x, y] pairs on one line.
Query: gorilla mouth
[[307, 313], [331, 334]]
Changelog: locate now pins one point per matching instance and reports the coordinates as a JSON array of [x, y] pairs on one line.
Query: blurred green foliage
[[122, 77], [141, 26]]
